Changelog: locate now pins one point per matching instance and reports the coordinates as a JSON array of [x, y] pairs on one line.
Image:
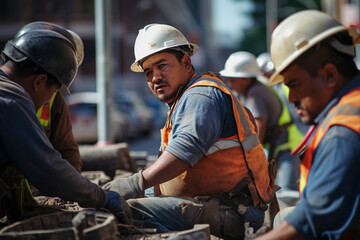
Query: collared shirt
[[331, 197]]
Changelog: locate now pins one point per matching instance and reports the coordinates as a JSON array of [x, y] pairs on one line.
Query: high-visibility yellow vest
[[44, 113], [294, 134]]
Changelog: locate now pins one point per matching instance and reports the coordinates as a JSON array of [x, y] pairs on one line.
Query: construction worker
[[39, 62], [54, 115], [212, 168], [271, 117], [313, 55], [296, 131]]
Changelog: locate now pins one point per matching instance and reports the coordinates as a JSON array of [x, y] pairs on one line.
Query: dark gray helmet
[[72, 36], [48, 49]]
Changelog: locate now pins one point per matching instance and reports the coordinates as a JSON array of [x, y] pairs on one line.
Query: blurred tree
[[288, 7], [254, 39]]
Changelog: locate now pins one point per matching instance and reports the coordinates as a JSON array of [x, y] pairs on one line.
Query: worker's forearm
[[165, 168]]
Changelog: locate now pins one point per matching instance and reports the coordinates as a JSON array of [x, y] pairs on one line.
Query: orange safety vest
[[227, 162], [345, 113]]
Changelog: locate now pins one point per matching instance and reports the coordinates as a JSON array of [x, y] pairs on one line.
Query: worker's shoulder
[[341, 132], [260, 91], [10, 90], [200, 88], [14, 98], [258, 87]]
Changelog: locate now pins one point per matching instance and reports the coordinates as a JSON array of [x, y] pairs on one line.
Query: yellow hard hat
[[297, 34], [154, 38]]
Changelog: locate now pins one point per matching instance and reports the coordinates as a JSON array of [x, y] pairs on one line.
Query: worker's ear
[[187, 62], [39, 82], [330, 74]]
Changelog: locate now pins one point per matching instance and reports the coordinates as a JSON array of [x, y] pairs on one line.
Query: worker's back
[[263, 103]]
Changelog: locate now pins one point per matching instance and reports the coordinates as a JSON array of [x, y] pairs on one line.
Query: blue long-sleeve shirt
[[24, 144], [331, 197]]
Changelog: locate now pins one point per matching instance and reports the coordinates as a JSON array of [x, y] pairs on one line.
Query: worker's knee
[[223, 222]]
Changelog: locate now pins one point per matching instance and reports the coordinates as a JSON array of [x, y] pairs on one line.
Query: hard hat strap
[[185, 52], [346, 49]]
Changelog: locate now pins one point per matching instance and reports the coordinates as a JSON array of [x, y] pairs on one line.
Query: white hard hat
[[297, 34], [241, 65], [154, 38], [265, 63]]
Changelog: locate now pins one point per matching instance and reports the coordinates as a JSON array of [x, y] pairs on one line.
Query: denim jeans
[[165, 213]]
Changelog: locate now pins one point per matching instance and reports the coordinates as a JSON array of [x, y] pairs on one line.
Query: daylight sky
[[229, 20]]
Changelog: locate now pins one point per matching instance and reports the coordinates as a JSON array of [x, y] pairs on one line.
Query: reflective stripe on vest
[[44, 113], [222, 145], [227, 162], [345, 113]]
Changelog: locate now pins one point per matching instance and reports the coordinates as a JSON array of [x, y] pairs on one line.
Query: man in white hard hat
[[271, 116], [212, 168], [242, 74], [313, 55]]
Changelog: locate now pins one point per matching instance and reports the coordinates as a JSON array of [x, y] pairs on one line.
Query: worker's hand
[[118, 206], [130, 187]]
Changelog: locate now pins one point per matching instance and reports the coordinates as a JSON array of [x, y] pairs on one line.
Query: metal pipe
[[271, 20], [103, 67]]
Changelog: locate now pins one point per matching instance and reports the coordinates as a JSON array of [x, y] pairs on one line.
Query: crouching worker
[[39, 62], [212, 168]]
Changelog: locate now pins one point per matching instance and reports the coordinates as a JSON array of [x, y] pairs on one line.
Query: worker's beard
[[171, 97], [167, 98]]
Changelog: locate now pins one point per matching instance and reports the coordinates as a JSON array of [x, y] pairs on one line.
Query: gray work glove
[[129, 187]]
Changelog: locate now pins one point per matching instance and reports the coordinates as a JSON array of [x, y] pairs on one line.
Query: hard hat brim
[[233, 74], [13, 53], [65, 90], [135, 67]]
